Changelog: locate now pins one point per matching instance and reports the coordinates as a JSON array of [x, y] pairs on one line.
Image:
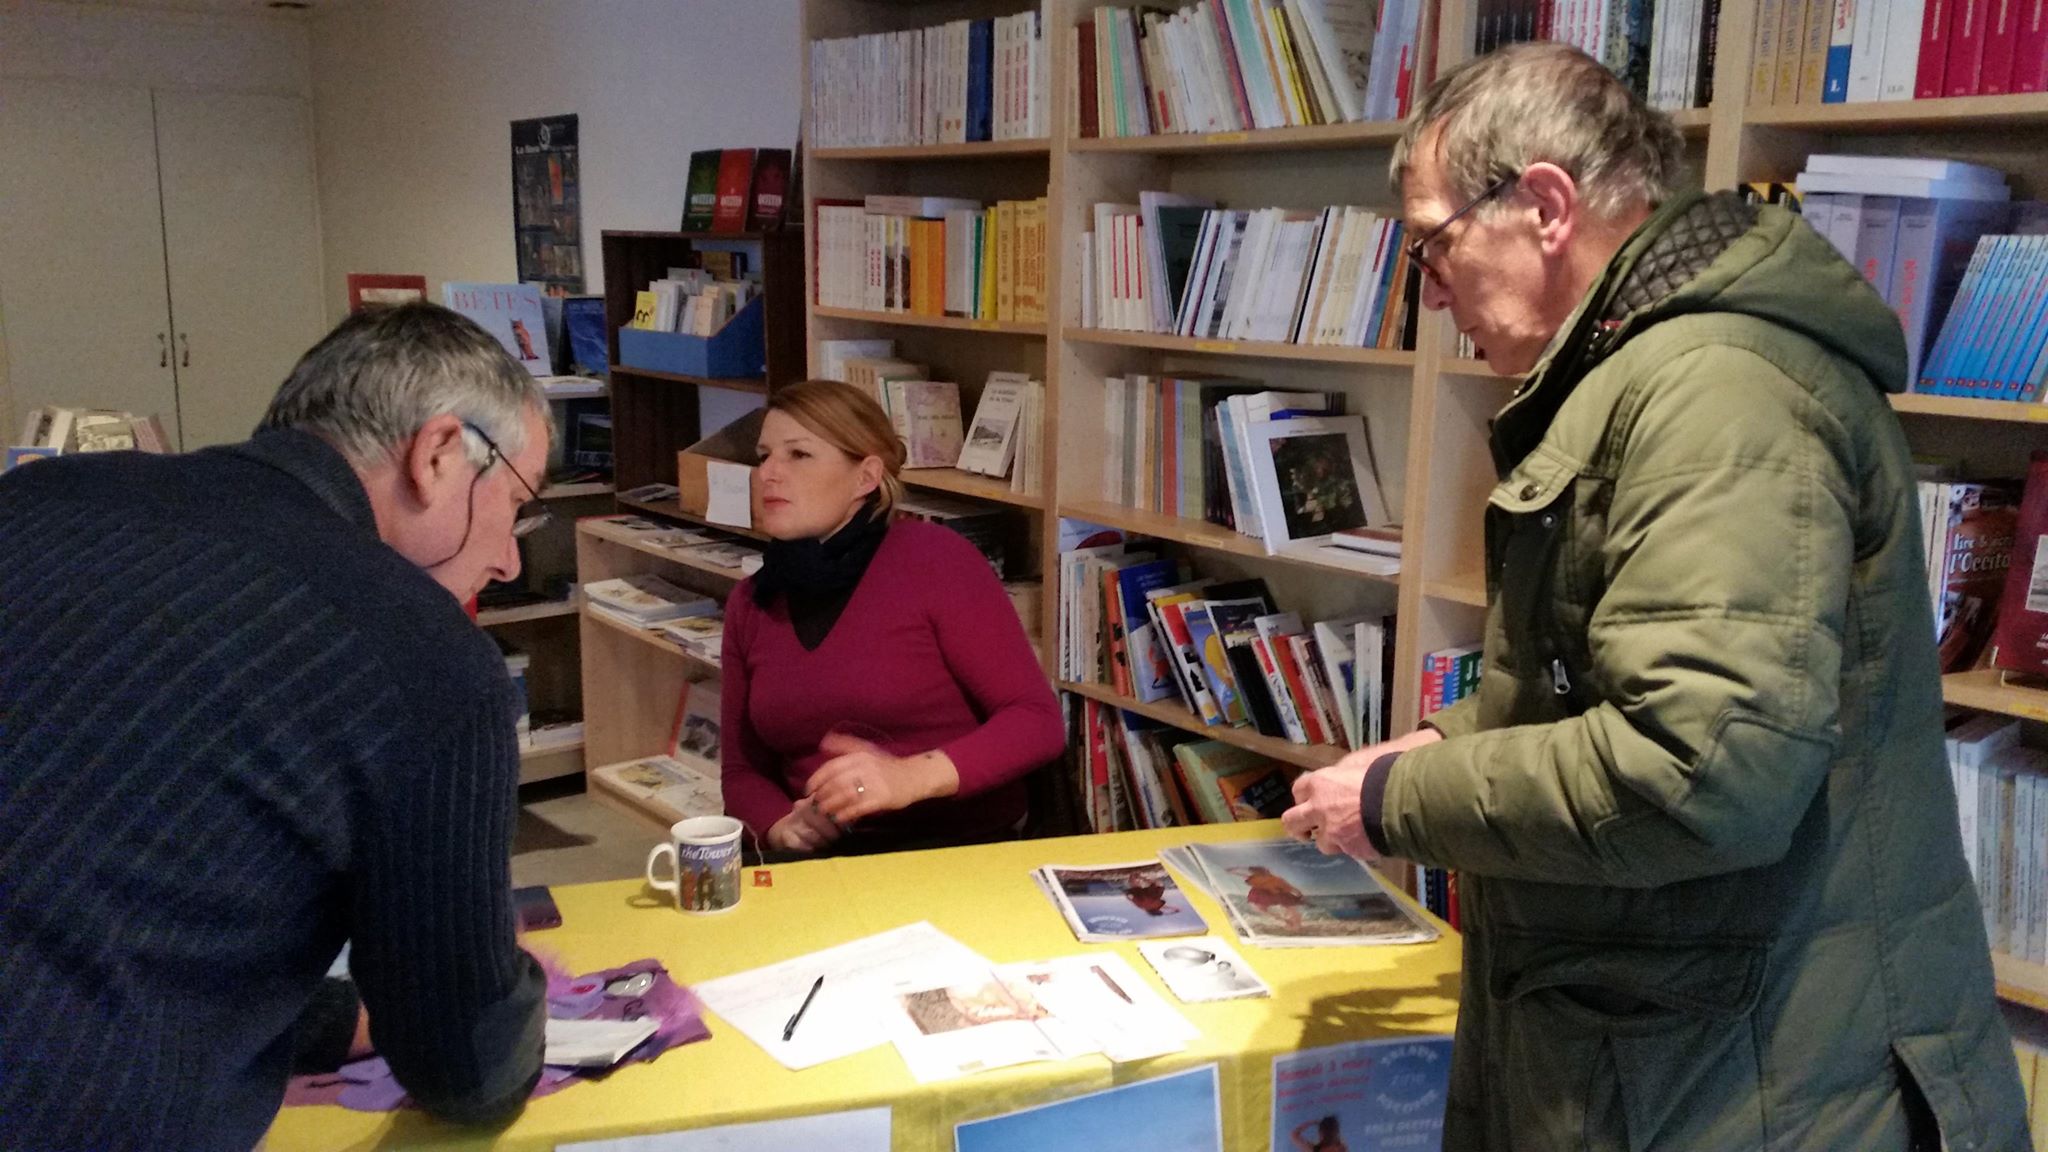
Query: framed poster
[[547, 208]]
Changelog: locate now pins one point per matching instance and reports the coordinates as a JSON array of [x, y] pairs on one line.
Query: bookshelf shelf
[[1299, 755], [1955, 113], [913, 320], [493, 617], [574, 491], [978, 150], [731, 383], [652, 640], [2021, 981], [1965, 408], [1465, 366], [604, 791], [970, 484], [1260, 349], [552, 762], [613, 534], [1985, 691], [1465, 588], [671, 510], [1369, 134], [1693, 121], [1200, 534]]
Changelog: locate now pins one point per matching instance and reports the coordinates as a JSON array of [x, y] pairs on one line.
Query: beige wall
[[413, 99]]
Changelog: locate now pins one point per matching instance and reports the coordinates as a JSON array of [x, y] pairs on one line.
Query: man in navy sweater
[[243, 718]]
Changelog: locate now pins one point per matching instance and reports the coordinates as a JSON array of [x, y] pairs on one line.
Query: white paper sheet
[[1202, 968], [594, 1043], [851, 1009], [730, 497]]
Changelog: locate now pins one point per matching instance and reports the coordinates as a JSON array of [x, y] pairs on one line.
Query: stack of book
[[740, 190], [1338, 277], [1908, 224], [1850, 51], [1139, 624], [1663, 49], [53, 431], [1448, 676], [684, 782], [2002, 808], [1232, 65], [1993, 345], [983, 525], [693, 301], [701, 636], [1287, 468], [1137, 773], [967, 80], [644, 601], [933, 256]]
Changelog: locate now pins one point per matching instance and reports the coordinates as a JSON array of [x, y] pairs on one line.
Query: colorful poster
[[1386, 1095], [547, 212], [1179, 1113]]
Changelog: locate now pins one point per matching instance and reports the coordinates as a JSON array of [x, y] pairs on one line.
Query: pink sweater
[[928, 654]]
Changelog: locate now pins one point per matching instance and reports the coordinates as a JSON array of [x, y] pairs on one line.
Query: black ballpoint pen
[[789, 1029]]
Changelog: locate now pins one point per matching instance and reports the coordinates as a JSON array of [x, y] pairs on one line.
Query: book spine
[[1841, 36], [1276, 686], [2030, 57], [1966, 47], [1931, 77], [2001, 37]]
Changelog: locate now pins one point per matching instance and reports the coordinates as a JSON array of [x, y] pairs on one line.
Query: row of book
[[952, 83], [1968, 529], [1289, 469], [1448, 676], [697, 547], [1994, 343], [934, 256], [1136, 773], [2001, 792], [740, 190], [1232, 65], [1001, 441], [1335, 277], [696, 301], [54, 430], [1837, 51], [1662, 49], [1136, 622]]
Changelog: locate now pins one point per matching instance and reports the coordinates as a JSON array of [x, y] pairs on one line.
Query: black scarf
[[818, 576]]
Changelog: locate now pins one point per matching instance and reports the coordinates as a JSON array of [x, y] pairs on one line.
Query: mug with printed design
[[704, 856]]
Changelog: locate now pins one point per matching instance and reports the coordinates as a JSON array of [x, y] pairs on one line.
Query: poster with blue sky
[[1179, 1113], [1383, 1095]]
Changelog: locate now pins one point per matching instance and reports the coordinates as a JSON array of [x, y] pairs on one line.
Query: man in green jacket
[[1713, 889]]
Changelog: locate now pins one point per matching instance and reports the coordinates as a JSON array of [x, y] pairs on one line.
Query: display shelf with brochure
[[679, 782]]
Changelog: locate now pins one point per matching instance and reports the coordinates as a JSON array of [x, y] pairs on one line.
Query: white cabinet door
[[241, 227], [82, 289]]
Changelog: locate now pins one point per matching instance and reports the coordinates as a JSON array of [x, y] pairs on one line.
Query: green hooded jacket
[[1711, 878]]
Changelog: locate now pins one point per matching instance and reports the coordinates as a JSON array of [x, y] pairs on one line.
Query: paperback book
[[1286, 893], [1120, 901]]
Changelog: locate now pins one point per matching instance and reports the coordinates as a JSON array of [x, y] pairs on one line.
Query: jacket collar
[[316, 464]]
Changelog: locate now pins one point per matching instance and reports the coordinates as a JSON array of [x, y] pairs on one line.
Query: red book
[[1974, 530], [2020, 640], [771, 184], [2001, 36], [735, 180], [2030, 49], [1934, 21], [1085, 62], [377, 288], [1966, 46], [1299, 691]]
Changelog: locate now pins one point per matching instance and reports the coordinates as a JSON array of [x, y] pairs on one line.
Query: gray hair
[[367, 386], [1531, 103]]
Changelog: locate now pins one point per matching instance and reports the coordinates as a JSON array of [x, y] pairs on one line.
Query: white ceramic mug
[[704, 857]]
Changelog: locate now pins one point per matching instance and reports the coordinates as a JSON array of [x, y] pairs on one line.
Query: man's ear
[[435, 459], [1555, 196]]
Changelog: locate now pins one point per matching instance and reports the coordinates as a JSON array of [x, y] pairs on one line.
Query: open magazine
[[1120, 901], [1286, 893]]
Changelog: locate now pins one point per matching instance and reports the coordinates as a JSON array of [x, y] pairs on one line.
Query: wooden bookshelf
[[976, 150], [1985, 691], [1467, 366], [1884, 117], [913, 320], [550, 763], [1468, 588], [1966, 408], [1272, 747], [1204, 535], [1317, 137], [1261, 349], [492, 617], [970, 484], [2020, 981], [650, 638], [673, 510], [576, 491], [628, 539], [729, 383]]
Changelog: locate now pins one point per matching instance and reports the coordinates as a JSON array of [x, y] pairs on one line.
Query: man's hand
[[862, 780], [1326, 801], [804, 830]]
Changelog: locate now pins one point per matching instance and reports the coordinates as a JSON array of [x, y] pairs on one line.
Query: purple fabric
[[633, 991]]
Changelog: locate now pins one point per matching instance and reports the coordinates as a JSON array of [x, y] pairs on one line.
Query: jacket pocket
[[1530, 533], [1652, 1037], [1931, 1062]]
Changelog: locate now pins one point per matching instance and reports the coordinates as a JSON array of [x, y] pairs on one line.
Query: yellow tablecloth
[[985, 898]]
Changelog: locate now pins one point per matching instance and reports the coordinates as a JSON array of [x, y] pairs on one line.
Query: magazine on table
[[1120, 901], [1286, 893]]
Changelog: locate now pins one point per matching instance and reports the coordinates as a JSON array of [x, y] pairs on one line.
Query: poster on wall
[[1386, 1095], [547, 210]]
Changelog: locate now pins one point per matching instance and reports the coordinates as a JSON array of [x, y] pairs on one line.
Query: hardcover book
[[510, 312], [735, 181], [2021, 637], [771, 187], [700, 195]]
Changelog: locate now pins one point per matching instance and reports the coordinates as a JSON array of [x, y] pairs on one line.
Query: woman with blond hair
[[879, 691]]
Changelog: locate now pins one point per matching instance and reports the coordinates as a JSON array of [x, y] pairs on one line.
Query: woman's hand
[[862, 780], [805, 830]]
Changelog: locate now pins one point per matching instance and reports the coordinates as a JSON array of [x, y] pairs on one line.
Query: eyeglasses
[[534, 513], [1418, 248]]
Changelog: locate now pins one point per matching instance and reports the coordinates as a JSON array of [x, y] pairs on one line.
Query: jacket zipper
[[1559, 681]]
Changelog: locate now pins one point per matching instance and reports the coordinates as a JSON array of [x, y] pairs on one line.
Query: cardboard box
[[710, 473]]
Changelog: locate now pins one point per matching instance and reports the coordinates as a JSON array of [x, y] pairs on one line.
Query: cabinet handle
[[163, 351], [185, 351]]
